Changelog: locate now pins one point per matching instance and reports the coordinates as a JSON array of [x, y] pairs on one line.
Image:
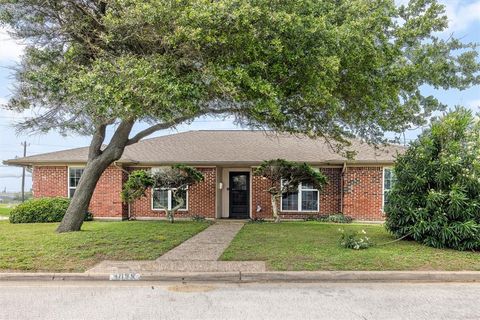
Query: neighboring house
[[230, 190]]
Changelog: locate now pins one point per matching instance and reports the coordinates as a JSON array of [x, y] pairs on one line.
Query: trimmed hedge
[[42, 210], [338, 218], [332, 218]]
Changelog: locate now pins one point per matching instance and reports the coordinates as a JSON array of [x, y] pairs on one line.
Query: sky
[[464, 23]]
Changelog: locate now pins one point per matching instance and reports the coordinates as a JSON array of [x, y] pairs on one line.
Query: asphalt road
[[143, 300]]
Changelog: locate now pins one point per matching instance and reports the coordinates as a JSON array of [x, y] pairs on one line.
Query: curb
[[363, 276], [249, 277]]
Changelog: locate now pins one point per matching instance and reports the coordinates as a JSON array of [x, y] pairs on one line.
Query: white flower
[[364, 232]]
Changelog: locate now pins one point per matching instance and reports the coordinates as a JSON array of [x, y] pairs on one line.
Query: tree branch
[[160, 126], [97, 140], [165, 125], [119, 140], [85, 11]]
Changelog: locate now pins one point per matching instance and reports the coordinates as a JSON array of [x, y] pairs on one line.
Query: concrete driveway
[[133, 300]]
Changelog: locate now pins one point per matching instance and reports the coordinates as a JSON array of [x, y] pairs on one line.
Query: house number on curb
[[125, 276]]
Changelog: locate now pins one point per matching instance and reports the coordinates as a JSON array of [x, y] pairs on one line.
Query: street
[[154, 300]]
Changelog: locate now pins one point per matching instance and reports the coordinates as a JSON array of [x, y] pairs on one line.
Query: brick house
[[230, 190]]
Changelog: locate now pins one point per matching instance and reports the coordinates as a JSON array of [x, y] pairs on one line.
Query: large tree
[[328, 69]]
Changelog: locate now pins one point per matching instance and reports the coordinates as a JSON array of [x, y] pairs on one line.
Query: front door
[[239, 195]]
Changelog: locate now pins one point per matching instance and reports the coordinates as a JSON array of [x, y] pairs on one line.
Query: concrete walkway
[[208, 245], [198, 254]]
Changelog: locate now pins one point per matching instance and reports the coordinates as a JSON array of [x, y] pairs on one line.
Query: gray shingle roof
[[215, 147]]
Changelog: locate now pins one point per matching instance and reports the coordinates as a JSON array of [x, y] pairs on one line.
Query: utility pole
[[24, 144]]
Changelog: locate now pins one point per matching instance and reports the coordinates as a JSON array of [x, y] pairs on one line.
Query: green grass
[[36, 247], [314, 246], [5, 209]]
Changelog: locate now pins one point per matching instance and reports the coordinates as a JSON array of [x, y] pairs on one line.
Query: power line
[[24, 144], [13, 176], [40, 145]]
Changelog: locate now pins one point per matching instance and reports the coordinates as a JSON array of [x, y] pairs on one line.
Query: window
[[305, 199], [388, 181], [309, 197], [163, 198], [74, 175]]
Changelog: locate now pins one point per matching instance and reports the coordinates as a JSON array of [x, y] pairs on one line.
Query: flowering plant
[[354, 240]]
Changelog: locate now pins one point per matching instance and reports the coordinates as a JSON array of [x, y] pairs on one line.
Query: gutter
[[342, 184], [125, 162]]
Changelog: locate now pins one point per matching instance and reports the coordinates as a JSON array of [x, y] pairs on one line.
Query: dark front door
[[239, 194]]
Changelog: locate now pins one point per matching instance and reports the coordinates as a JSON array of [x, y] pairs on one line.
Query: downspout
[[342, 183]]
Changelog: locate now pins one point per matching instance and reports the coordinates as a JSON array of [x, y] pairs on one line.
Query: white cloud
[[474, 104], [10, 50], [461, 14], [401, 2]]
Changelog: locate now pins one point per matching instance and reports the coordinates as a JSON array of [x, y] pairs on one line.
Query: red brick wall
[[260, 197], [106, 200], [329, 197], [362, 193], [201, 199], [52, 181], [362, 197], [49, 181]]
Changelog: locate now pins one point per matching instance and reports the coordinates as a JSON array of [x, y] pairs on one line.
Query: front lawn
[[5, 209], [36, 247], [314, 246]]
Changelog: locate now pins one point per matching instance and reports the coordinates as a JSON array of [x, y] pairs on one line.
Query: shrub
[[339, 218], [332, 218], [198, 218], [41, 210], [313, 218], [257, 220], [88, 216], [436, 197], [354, 240]]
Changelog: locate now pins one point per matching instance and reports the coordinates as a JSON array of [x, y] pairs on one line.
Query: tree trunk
[[276, 217], [75, 215], [98, 162], [170, 216], [180, 203]]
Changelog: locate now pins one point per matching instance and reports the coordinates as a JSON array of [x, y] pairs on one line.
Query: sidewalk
[[208, 245], [198, 254]]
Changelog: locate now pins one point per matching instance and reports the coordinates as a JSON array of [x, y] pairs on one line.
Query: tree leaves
[[285, 176], [176, 177], [327, 69]]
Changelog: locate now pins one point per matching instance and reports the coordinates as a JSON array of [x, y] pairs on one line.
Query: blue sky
[[464, 23]]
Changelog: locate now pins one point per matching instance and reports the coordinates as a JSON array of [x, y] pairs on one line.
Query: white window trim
[[299, 204], [169, 199], [68, 178], [383, 185]]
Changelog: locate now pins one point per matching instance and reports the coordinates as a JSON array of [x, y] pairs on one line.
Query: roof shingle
[[215, 147]]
